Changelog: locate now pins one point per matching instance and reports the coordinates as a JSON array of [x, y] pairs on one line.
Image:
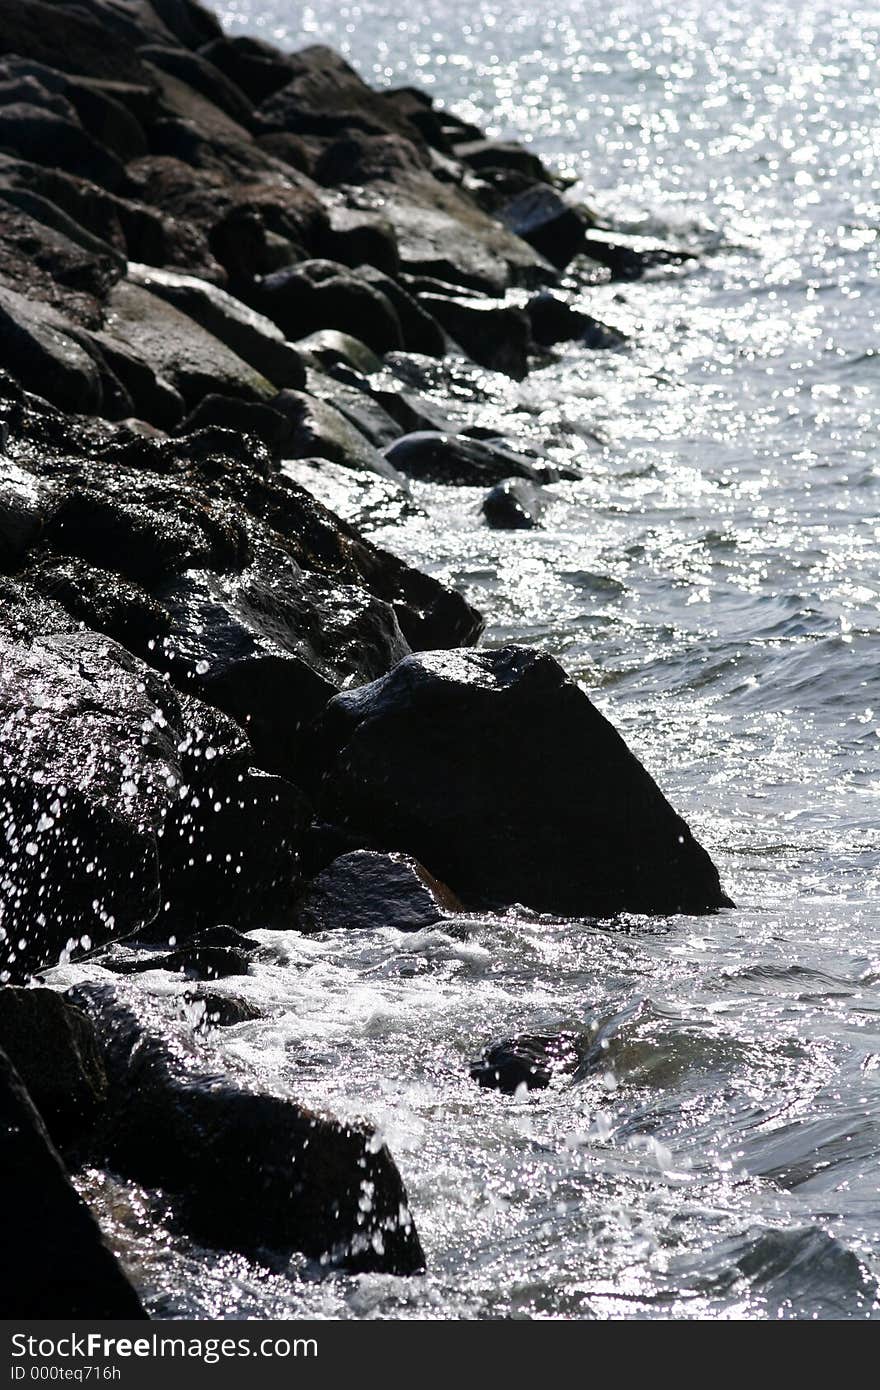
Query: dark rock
[[495, 335], [193, 961], [552, 226], [55, 1263], [272, 645], [319, 294], [555, 320], [253, 337], [353, 399], [53, 1047], [300, 1181], [421, 332], [42, 136], [499, 154], [319, 430], [433, 457], [514, 505], [153, 399], [448, 756], [255, 67], [193, 24], [327, 97], [248, 417], [531, 1060], [197, 72], [361, 238], [102, 107], [328, 348], [628, 257], [206, 1009], [368, 891], [355, 158], [178, 349], [37, 345], [21, 517], [118, 799], [81, 44]]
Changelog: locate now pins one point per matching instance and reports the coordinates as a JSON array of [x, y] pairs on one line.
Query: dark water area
[[713, 583]]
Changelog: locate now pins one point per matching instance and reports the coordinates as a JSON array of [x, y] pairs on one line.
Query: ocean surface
[[713, 583]]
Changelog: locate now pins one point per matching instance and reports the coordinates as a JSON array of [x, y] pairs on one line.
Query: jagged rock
[[325, 96], [547, 222], [495, 335], [53, 1047], [82, 44], [248, 1171], [21, 513], [447, 757], [119, 798], [199, 73], [55, 1263], [434, 457], [352, 397], [514, 505], [368, 891], [531, 1060], [252, 336], [101, 107], [178, 349]]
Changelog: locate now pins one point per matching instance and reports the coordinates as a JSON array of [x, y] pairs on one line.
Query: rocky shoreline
[[225, 270]]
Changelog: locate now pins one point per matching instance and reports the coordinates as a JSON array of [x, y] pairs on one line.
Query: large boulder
[[555, 228], [55, 1263], [497, 336], [247, 1171], [497, 772], [321, 294]]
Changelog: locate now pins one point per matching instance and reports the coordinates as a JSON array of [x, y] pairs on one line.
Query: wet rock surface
[[446, 757], [366, 891]]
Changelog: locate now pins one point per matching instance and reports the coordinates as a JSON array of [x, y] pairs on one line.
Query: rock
[[513, 505], [193, 961], [53, 1047], [368, 891], [193, 24], [21, 518], [547, 222], [318, 294], [329, 348], [554, 320], [81, 44], [273, 428], [500, 154], [248, 1171], [531, 1060], [355, 159], [206, 1009], [497, 336], [101, 107], [325, 96], [119, 798], [270, 646], [447, 757], [442, 233], [178, 349], [319, 430], [421, 332], [359, 237], [353, 399], [47, 256], [44, 137], [628, 257], [195, 71], [255, 67], [55, 1263], [434, 457], [252, 336], [37, 345]]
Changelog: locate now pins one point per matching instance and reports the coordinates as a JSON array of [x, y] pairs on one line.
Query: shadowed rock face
[[247, 1171], [368, 891], [55, 1263], [499, 774]]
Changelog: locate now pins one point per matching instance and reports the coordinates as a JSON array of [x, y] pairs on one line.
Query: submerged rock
[[514, 505], [497, 772], [368, 891], [435, 457], [248, 1171], [531, 1060], [55, 1263]]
